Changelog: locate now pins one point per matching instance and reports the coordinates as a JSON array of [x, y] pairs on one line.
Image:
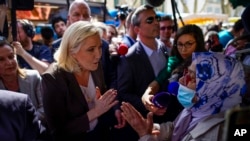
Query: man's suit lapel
[[144, 60]]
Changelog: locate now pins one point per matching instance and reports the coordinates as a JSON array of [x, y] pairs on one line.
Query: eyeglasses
[[150, 20], [186, 45], [166, 27]]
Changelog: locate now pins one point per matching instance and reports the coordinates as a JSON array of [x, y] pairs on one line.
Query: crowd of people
[[78, 87]]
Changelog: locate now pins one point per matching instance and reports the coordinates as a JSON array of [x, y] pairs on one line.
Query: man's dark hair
[[135, 17], [128, 19], [245, 18], [238, 25], [213, 27], [56, 20], [47, 33], [166, 18]]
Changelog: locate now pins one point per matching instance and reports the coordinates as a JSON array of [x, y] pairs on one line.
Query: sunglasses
[[166, 27], [150, 20]]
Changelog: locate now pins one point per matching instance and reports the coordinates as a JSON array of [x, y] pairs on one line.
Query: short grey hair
[[76, 2], [135, 17]]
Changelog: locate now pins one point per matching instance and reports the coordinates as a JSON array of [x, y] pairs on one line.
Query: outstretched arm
[[135, 119], [40, 65], [147, 97]]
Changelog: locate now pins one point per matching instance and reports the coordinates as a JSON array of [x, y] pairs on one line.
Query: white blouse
[[89, 93]]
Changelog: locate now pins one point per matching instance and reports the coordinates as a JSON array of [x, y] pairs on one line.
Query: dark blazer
[[108, 66], [134, 75], [18, 121], [66, 108]]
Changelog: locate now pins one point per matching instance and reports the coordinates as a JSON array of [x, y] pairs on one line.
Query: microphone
[[122, 49], [162, 99], [154, 3], [173, 88]]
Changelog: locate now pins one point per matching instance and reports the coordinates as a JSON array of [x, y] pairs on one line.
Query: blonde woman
[[76, 103]]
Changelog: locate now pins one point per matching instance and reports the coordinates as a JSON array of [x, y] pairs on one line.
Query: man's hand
[[147, 99], [18, 48]]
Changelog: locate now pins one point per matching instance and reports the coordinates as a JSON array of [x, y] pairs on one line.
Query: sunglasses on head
[[166, 27], [150, 20]]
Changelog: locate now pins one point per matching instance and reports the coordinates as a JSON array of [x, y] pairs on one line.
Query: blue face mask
[[185, 96]]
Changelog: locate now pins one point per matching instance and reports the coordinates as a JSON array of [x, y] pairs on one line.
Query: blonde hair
[[72, 39], [101, 25]]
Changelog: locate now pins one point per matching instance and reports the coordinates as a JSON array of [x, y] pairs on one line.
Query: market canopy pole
[[68, 4], [175, 20], [12, 6], [3, 21], [18, 5], [104, 11]]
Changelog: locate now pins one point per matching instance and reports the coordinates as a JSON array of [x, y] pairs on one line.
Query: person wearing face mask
[[213, 84], [188, 39]]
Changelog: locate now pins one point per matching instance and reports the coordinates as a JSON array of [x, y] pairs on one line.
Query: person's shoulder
[[126, 40], [32, 73], [56, 72], [40, 47], [12, 103], [174, 59], [105, 43], [6, 96], [132, 51], [44, 47], [53, 68], [134, 47], [57, 41], [209, 127], [209, 122], [223, 32]]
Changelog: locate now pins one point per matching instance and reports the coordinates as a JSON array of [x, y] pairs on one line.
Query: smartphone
[[237, 124]]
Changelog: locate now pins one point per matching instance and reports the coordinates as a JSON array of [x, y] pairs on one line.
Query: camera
[[123, 12]]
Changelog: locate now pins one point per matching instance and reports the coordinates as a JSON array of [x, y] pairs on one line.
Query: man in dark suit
[[18, 120], [141, 64]]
